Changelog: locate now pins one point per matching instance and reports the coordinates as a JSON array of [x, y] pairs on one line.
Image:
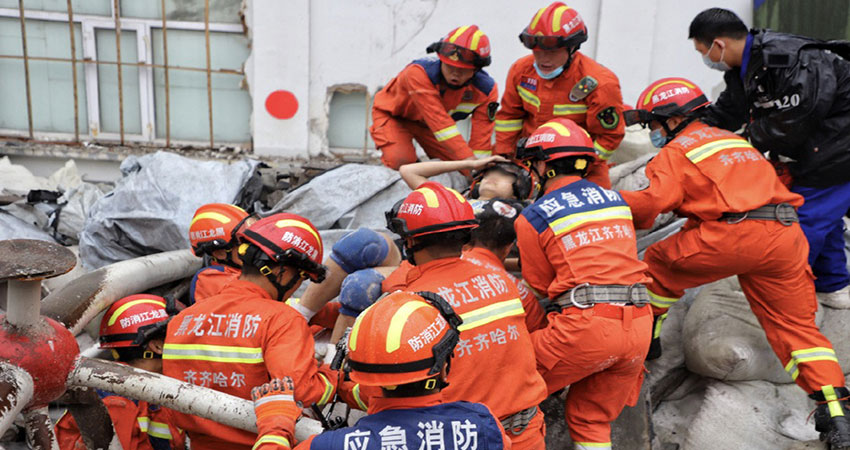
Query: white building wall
[[309, 47]]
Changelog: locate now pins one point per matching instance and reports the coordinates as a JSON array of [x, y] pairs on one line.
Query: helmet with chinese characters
[[125, 322], [283, 239], [402, 338], [213, 226]]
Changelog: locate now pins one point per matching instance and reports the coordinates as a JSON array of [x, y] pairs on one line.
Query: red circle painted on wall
[[282, 104]]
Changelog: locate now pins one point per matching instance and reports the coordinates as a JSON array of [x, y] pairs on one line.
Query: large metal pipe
[[23, 310], [77, 303], [40, 434], [171, 393], [16, 390]]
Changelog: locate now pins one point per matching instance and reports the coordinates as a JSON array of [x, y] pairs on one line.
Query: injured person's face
[[496, 184]]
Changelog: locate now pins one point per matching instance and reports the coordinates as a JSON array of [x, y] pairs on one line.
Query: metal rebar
[[209, 75], [134, 64], [26, 64], [74, 72], [165, 63], [117, 7]]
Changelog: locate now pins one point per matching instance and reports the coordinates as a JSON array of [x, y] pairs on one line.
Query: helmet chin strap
[[282, 289], [671, 134]]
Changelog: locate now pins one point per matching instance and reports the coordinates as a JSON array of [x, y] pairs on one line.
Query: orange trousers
[[771, 262], [598, 173], [601, 358], [533, 437], [394, 137]]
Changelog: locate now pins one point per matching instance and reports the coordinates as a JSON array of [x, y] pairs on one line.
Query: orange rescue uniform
[[579, 233], [139, 426], [493, 362], [210, 281], [530, 101], [418, 104], [701, 174], [237, 340]]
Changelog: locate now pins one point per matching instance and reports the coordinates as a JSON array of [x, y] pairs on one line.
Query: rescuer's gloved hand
[[274, 404]]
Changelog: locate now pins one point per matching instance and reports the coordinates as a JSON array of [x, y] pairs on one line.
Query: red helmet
[[129, 321], [555, 26], [283, 239], [525, 186], [402, 338], [466, 47], [556, 139], [433, 208], [213, 226], [665, 98]]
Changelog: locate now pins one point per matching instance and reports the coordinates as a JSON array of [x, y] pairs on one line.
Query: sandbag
[[754, 415], [150, 209], [723, 340], [635, 144]]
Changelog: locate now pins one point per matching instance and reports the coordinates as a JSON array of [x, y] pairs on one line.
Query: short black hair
[[495, 231], [567, 166], [714, 23], [450, 240]]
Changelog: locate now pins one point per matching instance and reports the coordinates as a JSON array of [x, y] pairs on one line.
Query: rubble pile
[[718, 384]]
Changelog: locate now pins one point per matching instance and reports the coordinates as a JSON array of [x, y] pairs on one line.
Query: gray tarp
[[150, 209], [353, 196], [12, 227]]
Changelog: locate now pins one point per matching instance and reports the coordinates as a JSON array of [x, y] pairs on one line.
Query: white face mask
[[719, 65]]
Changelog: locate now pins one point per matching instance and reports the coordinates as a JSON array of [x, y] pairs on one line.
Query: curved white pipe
[[78, 302], [18, 392], [171, 393]]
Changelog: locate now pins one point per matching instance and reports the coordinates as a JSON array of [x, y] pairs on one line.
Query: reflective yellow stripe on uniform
[[464, 108], [491, 313], [592, 445], [569, 108], [573, 221], [482, 153], [356, 394], [217, 353], [271, 439], [808, 355], [704, 151], [446, 133], [832, 402], [528, 97], [153, 428], [603, 152], [329, 390], [508, 125], [660, 301]]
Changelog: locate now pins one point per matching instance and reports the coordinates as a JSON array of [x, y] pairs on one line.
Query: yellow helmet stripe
[[457, 194], [218, 217], [129, 305], [536, 18], [458, 33], [475, 38], [397, 324], [355, 329], [430, 197], [649, 94], [556, 19], [299, 224], [560, 128]]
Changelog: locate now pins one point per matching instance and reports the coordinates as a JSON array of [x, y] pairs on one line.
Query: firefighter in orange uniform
[[742, 221], [577, 245], [212, 236], [559, 81], [435, 222], [246, 334], [133, 328], [424, 101], [402, 345]]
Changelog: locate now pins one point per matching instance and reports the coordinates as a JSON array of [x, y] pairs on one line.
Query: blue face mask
[[658, 140], [550, 75]]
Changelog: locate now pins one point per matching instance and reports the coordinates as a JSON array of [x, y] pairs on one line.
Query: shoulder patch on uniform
[[583, 88], [608, 118], [483, 81]]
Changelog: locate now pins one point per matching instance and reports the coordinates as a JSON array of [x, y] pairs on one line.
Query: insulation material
[[17, 180], [151, 207], [12, 227]]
